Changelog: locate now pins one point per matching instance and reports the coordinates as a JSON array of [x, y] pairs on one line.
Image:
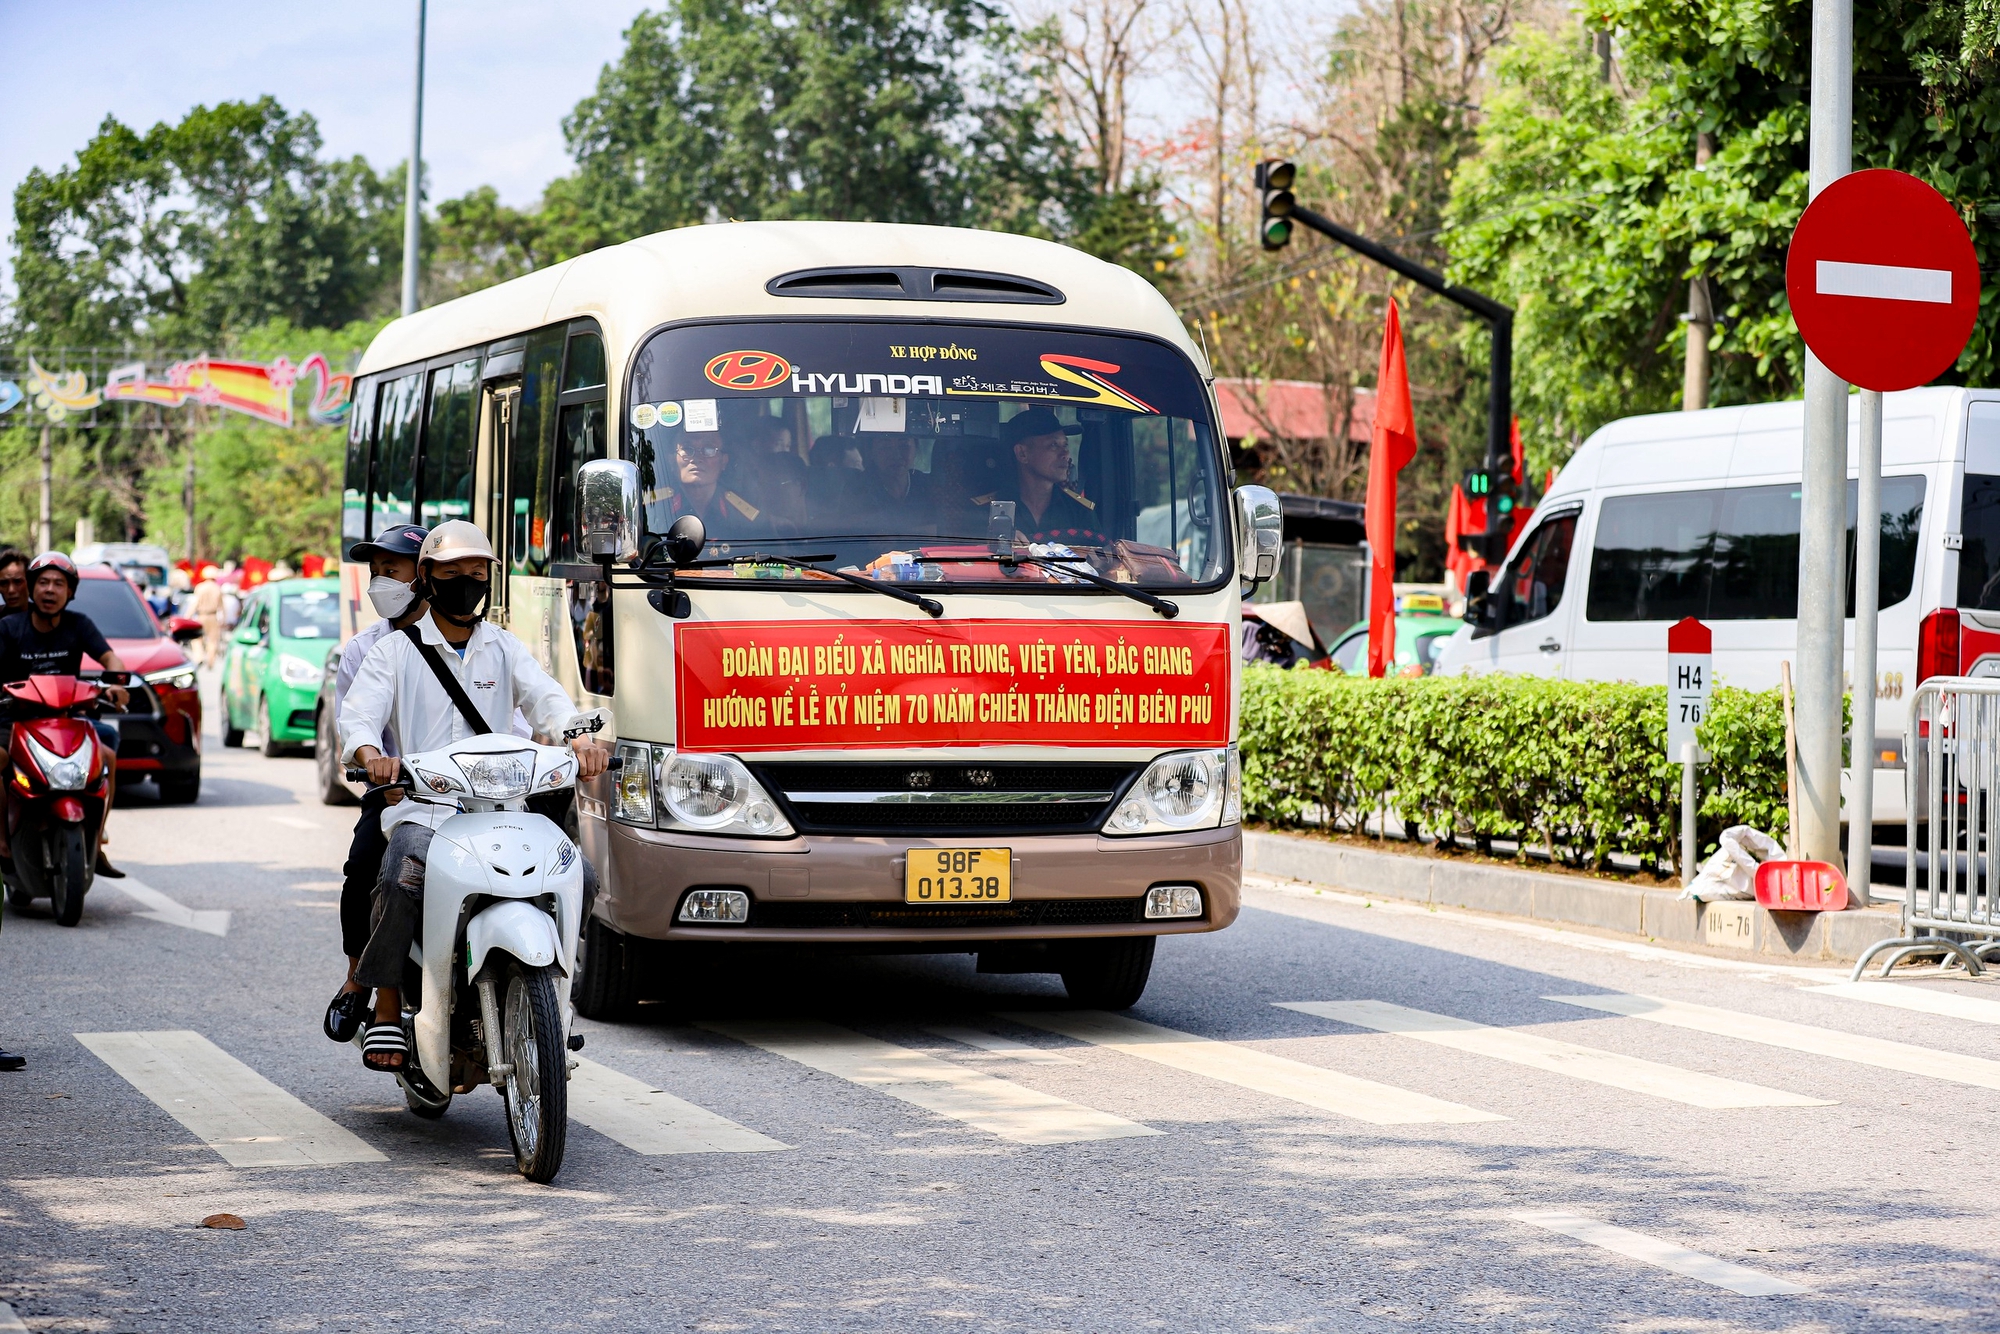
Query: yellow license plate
[[959, 875]]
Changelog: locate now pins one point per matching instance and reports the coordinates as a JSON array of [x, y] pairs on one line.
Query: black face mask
[[458, 599]]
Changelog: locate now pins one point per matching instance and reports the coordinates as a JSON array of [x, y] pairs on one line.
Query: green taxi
[[1422, 626], [276, 657]]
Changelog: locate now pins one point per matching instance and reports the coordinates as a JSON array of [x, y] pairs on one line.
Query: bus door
[[493, 509]]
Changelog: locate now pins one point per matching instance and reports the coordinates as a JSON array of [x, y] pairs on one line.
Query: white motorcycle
[[503, 900]]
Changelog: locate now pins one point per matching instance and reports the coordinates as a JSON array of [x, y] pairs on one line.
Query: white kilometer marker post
[[1739, 1279], [231, 1108], [651, 1121], [1883, 282], [1562, 1058], [1905, 997], [1879, 1052], [1260, 1071], [160, 908], [980, 1100]]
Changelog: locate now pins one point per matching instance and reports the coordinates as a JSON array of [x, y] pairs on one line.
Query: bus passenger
[[1046, 508]]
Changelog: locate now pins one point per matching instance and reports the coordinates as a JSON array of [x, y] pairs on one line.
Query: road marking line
[[1906, 997], [985, 1102], [160, 908], [9, 1322], [1306, 892], [651, 1121], [1879, 1052], [1563, 1058], [1739, 1279], [1884, 282], [237, 1112], [292, 822], [995, 1045], [1247, 1067]]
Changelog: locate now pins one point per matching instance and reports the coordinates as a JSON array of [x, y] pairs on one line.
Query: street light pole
[[1823, 490], [413, 187]]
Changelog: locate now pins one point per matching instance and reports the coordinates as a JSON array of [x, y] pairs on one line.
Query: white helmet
[[455, 539]]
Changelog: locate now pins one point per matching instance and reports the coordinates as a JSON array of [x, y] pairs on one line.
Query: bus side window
[[393, 486], [531, 471], [448, 443], [1532, 587], [354, 487]]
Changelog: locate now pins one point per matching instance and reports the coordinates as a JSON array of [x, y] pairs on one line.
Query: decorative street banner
[[253, 389], [785, 685]]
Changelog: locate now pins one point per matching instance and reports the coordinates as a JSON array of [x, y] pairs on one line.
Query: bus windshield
[[915, 451]]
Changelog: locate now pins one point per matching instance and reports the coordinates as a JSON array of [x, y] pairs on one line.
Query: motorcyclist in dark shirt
[[50, 640]]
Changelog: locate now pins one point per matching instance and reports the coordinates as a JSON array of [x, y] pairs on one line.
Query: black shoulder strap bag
[[448, 681]]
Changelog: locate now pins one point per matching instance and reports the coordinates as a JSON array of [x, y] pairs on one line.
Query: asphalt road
[[1738, 1151]]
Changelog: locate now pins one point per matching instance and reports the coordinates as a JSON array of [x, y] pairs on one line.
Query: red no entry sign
[[1883, 280]]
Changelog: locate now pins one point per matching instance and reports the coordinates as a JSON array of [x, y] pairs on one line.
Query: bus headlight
[[1185, 789], [706, 794]]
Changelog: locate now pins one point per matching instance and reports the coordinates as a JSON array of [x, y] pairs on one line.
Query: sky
[[499, 77]]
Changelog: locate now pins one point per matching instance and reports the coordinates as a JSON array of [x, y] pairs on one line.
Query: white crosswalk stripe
[[1247, 1067], [1563, 1058], [1903, 996], [995, 1045], [651, 1121], [1879, 1052], [237, 1112], [983, 1101], [1739, 1279]]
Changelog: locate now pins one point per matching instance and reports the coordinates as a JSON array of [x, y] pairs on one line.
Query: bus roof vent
[[915, 284]]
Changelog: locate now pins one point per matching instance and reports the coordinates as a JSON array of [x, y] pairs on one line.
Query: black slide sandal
[[384, 1040], [344, 1014]]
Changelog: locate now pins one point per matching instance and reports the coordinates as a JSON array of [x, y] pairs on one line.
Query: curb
[[1660, 915]]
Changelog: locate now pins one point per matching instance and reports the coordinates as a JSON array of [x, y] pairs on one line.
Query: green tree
[[188, 233], [1586, 209]]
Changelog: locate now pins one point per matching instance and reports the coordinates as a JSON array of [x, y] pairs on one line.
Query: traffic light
[[1496, 489], [1274, 182], [1478, 483]]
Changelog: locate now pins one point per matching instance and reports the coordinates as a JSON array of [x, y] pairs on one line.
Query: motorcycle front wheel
[[68, 872], [537, 1088]]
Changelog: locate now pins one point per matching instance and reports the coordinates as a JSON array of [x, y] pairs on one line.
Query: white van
[[1697, 514]]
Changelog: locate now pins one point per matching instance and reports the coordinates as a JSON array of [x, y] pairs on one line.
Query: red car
[[160, 736]]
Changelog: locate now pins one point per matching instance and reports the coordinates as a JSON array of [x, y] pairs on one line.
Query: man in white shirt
[[395, 690], [392, 567]]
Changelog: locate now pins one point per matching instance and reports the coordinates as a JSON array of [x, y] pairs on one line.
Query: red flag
[[1514, 433], [1393, 446]]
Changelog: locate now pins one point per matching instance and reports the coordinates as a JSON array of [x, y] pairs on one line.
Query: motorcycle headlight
[[500, 777], [1186, 789], [297, 671], [63, 773], [715, 794]]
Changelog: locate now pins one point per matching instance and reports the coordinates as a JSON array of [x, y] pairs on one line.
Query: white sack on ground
[[1731, 872]]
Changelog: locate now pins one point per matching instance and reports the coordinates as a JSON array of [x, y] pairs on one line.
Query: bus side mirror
[[686, 536], [1260, 533], [607, 509], [1476, 585]]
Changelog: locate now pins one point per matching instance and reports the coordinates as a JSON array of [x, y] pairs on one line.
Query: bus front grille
[[946, 799]]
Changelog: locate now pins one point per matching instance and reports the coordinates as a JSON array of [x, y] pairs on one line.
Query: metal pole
[[45, 534], [1689, 752], [413, 187], [1867, 593], [1823, 487]]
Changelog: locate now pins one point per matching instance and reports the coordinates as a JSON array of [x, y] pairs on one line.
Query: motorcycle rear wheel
[[537, 1089], [68, 873]]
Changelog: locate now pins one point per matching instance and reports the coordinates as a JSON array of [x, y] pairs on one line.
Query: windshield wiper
[[1158, 604], [931, 605]]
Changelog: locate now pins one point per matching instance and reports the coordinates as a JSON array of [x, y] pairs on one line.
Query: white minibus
[[952, 667], [1697, 514]]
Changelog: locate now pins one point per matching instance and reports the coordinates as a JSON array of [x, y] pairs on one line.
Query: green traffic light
[[1277, 233], [1505, 504]]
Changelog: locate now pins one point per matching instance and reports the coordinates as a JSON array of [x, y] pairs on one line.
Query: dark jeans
[[358, 876]]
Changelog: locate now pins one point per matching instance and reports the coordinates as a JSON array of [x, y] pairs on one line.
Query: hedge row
[[1578, 767]]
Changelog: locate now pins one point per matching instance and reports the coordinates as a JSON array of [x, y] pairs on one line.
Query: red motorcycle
[[56, 794]]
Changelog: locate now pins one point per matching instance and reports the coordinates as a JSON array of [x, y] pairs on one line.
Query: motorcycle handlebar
[[357, 774]]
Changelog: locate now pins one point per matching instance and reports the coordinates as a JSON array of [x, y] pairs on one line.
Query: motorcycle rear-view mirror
[[183, 629]]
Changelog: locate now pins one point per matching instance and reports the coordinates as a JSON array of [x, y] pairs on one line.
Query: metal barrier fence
[[1951, 869]]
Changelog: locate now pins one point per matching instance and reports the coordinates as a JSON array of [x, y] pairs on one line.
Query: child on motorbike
[[392, 569], [400, 689]]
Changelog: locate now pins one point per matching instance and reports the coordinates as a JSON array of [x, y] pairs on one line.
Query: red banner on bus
[[749, 686]]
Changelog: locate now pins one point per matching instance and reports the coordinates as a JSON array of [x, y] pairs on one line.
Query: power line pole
[[1700, 317], [45, 534], [413, 187], [1823, 488]]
